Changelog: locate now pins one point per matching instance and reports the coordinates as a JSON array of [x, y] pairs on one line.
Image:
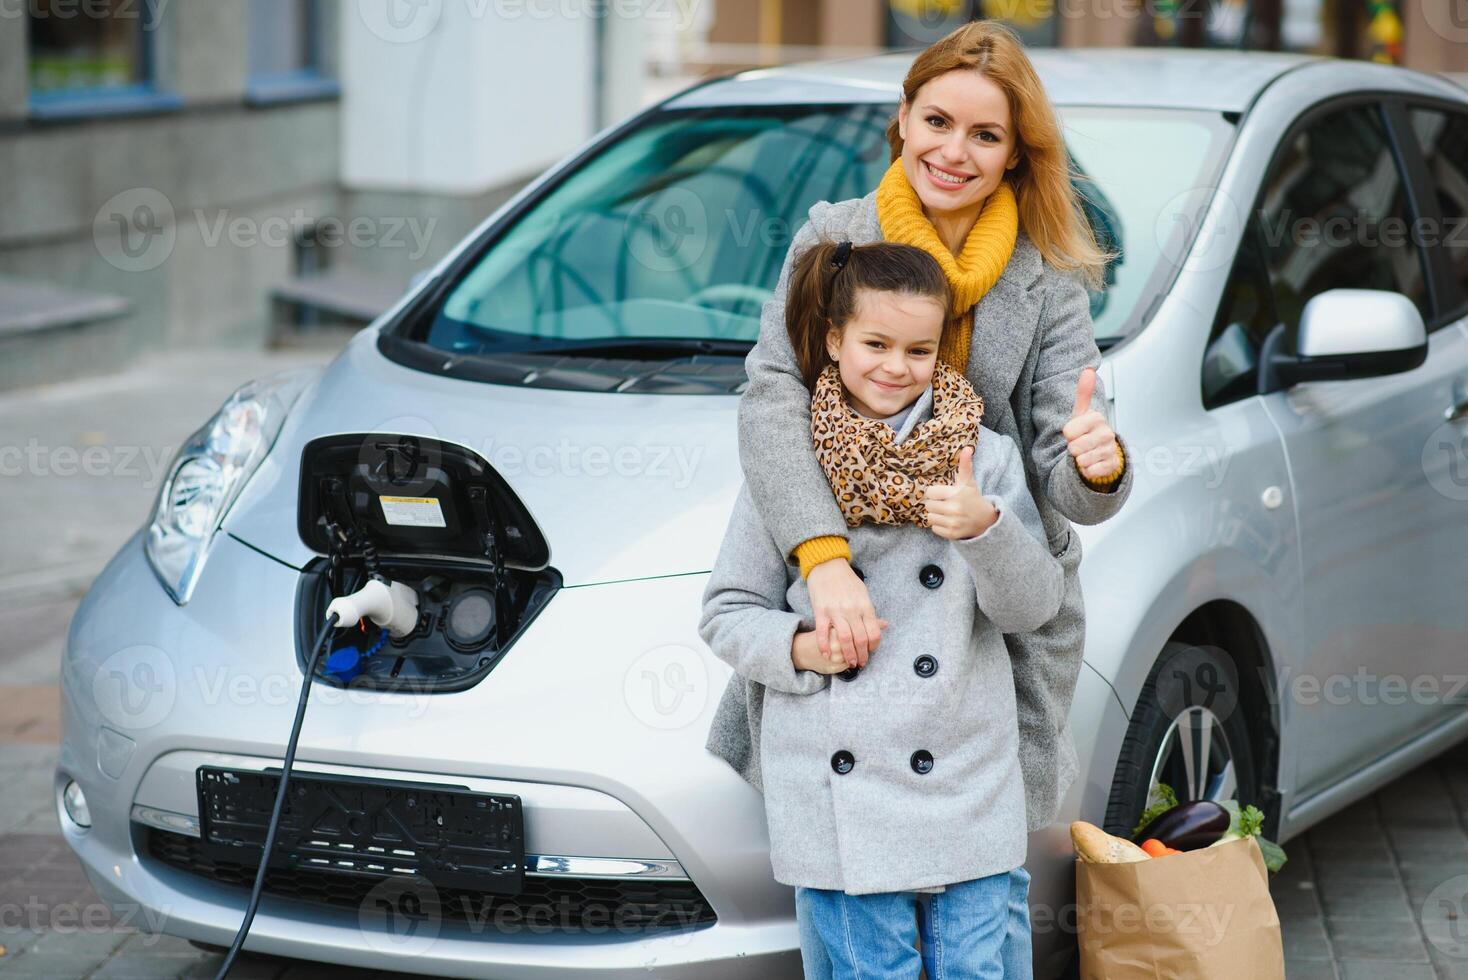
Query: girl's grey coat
[[885, 826], [1032, 335]]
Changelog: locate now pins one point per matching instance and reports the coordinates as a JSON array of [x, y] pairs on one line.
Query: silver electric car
[[539, 440]]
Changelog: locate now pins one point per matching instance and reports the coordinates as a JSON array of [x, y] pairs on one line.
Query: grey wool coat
[[906, 776], [1032, 335]]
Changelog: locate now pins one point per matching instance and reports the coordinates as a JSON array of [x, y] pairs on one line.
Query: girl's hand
[[842, 606], [959, 510], [1089, 439], [806, 655]]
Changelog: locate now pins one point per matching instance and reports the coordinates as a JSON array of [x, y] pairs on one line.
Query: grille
[[547, 903]]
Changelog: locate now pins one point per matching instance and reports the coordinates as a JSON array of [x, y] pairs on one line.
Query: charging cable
[[391, 605]]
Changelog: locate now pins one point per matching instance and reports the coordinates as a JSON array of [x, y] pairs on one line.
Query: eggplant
[[1187, 826]]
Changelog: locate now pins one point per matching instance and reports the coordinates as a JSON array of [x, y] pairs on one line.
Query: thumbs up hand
[[1088, 436], [959, 510]]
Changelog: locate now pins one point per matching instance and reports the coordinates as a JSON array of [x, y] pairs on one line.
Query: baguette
[[1095, 846]]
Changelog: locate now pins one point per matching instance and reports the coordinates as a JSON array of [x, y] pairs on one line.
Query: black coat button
[[859, 573], [843, 761], [931, 576], [849, 674], [922, 761], [926, 665]]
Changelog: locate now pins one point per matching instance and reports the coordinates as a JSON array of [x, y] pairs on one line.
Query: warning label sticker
[[412, 511]]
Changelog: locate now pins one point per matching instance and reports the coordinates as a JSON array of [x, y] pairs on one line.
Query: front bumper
[[595, 717]]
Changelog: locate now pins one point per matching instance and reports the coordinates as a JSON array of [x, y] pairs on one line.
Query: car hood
[[622, 486]]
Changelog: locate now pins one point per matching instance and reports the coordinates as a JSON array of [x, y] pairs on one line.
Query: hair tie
[[843, 252]]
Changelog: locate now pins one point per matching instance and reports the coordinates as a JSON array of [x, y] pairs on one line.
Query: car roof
[[1224, 80]]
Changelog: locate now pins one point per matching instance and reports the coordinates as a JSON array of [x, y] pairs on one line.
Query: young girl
[[893, 791]]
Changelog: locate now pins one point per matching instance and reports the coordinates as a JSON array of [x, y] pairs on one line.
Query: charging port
[[437, 518]]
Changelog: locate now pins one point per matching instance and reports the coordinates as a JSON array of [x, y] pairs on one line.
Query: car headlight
[[209, 471]]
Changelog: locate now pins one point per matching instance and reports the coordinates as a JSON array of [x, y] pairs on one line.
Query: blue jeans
[[975, 929]]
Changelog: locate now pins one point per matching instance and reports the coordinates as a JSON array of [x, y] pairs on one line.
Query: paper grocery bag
[[1198, 915]]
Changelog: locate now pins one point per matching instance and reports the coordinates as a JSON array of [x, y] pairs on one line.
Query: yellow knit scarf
[[973, 271]]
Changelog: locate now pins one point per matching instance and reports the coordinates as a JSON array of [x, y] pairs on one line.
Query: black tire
[[1191, 703]]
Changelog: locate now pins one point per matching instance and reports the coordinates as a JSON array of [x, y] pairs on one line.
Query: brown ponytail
[[822, 296]]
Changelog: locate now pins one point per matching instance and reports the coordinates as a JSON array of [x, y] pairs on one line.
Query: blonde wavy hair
[[1050, 210]]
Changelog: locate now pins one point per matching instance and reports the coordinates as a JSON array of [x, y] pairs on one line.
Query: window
[[1139, 164], [286, 50], [1444, 141], [1245, 317], [96, 55], [1335, 215]]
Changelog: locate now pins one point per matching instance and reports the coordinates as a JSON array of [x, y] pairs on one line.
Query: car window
[[1245, 317], [1334, 215], [1138, 165], [1443, 137]]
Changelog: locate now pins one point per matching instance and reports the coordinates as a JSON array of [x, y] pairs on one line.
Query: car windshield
[[671, 238]]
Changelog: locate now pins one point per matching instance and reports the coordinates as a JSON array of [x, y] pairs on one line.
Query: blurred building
[[207, 172], [1428, 35], [132, 145]]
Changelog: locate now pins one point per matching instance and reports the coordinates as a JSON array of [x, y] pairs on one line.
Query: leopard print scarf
[[880, 481]]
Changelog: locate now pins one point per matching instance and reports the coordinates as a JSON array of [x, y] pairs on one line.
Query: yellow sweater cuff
[[811, 553], [1110, 478]]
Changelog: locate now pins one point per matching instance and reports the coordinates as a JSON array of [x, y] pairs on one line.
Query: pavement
[[1376, 892]]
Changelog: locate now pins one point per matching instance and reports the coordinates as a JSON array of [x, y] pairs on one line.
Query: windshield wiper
[[646, 347]]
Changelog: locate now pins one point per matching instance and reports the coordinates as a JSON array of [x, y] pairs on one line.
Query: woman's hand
[[843, 609], [1087, 435], [959, 510]]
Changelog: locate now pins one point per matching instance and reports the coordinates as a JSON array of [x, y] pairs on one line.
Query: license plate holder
[[450, 835]]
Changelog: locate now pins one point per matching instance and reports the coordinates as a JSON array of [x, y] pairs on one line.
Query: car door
[[1438, 149], [1381, 545]]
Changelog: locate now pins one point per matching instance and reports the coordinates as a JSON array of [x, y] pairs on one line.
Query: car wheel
[[1187, 731]]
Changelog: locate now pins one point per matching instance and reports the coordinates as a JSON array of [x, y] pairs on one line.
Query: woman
[[980, 180]]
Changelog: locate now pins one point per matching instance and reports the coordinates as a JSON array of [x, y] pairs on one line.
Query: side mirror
[[1346, 334]]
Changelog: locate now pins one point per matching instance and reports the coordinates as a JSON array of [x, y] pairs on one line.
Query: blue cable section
[[378, 644]]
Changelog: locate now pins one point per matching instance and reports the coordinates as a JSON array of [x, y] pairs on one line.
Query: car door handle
[[1457, 412]]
